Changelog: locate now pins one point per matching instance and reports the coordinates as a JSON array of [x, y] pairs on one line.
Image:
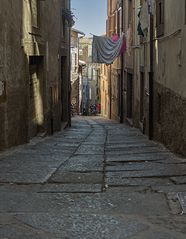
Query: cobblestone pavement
[[98, 179]]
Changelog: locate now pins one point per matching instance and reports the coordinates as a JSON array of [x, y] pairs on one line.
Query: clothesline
[[107, 49]]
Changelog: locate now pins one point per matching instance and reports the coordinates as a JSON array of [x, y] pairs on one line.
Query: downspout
[[151, 79], [110, 92], [122, 73], [69, 80]]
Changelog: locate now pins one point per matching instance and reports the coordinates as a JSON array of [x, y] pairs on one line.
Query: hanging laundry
[[151, 5], [144, 17], [105, 49], [123, 47], [115, 38], [140, 32]]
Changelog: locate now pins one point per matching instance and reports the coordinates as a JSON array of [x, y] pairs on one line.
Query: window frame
[[160, 17]]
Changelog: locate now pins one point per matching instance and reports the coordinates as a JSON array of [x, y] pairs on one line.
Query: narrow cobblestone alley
[[97, 179]]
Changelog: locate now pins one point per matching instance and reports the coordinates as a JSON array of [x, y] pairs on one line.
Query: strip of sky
[[91, 16]]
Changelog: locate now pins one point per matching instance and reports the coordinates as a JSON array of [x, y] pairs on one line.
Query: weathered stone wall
[[14, 109], [104, 91], [75, 96], [170, 115], [169, 76], [32, 101], [115, 95]]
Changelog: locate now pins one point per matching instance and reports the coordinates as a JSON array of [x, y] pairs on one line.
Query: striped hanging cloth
[[105, 49]]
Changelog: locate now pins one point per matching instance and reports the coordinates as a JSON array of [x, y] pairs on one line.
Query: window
[[119, 27], [110, 7], [63, 27], [115, 21], [142, 87], [76, 61], [160, 17], [130, 11], [35, 13]]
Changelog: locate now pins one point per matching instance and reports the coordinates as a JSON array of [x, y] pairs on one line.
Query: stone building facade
[[34, 69], [111, 74], [170, 76], [158, 101], [152, 89], [104, 91], [76, 66], [90, 77]]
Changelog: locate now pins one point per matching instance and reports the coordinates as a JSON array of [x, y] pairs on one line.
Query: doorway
[[36, 101], [65, 90], [129, 95]]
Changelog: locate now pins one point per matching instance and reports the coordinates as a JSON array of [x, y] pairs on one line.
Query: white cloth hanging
[[105, 50], [144, 17], [151, 4]]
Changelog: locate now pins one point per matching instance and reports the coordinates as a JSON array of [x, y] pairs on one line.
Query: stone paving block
[[77, 177], [117, 202], [71, 188], [138, 157], [156, 234], [145, 166], [174, 224], [75, 137], [22, 188], [131, 203], [55, 148], [179, 179], [147, 173], [112, 167], [17, 231], [82, 226], [83, 163], [90, 149], [55, 188], [71, 140], [118, 139], [169, 188], [129, 144], [19, 202], [90, 158], [134, 150], [95, 141], [37, 156], [118, 180], [40, 176]]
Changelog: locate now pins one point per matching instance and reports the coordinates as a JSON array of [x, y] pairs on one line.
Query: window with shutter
[[160, 9]]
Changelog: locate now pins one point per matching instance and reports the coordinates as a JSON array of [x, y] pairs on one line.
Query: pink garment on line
[[115, 38]]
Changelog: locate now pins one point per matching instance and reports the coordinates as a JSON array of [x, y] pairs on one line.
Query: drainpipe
[[110, 93], [69, 77], [151, 79], [122, 73]]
